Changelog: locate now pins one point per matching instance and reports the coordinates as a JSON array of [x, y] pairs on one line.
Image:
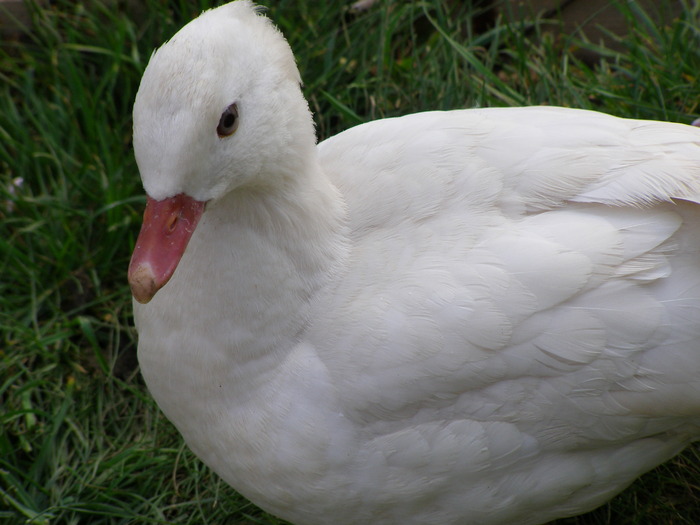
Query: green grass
[[81, 441]]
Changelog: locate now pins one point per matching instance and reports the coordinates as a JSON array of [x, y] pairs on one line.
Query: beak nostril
[[172, 222]]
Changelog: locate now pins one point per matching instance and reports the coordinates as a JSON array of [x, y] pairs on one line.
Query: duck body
[[479, 316]]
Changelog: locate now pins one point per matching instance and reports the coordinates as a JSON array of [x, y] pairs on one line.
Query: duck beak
[[167, 227]]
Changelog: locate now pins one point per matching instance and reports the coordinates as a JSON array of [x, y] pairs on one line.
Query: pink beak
[[166, 230]]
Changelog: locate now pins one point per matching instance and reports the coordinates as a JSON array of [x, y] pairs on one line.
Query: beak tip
[[143, 283]]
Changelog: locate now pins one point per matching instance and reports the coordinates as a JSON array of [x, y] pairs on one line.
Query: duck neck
[[259, 258]]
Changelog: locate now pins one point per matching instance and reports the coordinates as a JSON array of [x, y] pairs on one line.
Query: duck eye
[[228, 123]]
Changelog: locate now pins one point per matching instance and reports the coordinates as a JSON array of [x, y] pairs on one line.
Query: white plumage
[[481, 316]]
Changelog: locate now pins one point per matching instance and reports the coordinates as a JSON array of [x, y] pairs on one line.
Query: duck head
[[219, 108]]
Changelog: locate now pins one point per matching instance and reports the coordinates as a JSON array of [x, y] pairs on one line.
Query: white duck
[[478, 316]]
